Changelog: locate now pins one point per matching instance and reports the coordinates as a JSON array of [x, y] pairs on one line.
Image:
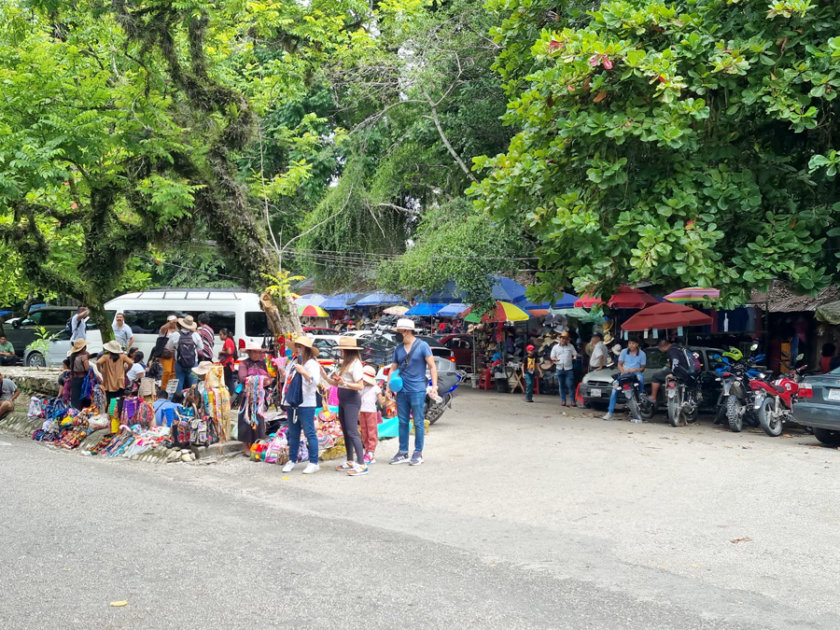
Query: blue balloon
[[396, 382]]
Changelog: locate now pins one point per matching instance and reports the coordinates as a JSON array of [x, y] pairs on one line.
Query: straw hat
[[113, 347], [252, 346], [202, 368], [306, 342], [348, 343], [78, 345], [369, 375], [188, 323]]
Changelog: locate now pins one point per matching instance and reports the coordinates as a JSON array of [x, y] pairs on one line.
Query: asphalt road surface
[[523, 516]]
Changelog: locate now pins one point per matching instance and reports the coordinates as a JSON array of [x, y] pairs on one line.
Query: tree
[[681, 143]]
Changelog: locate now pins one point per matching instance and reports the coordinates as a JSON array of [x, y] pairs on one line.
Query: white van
[[234, 309]]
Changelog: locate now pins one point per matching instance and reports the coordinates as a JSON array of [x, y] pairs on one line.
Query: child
[[530, 370], [368, 416]]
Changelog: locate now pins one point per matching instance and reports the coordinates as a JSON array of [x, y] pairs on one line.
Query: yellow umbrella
[[502, 312], [311, 310]]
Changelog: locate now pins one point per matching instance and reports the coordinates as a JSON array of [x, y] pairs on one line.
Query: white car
[[59, 349]]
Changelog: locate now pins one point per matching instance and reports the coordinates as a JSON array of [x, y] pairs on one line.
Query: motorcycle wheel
[[434, 410], [769, 420], [720, 410], [673, 411], [633, 405], [734, 415], [647, 409]]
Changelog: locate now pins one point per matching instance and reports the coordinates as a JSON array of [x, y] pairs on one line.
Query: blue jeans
[[614, 394], [408, 404], [183, 375], [566, 383], [529, 385], [305, 417]]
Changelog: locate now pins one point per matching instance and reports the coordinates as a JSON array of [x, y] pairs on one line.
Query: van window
[[256, 324], [147, 322], [219, 320]]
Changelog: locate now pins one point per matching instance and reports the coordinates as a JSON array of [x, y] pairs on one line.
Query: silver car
[[818, 406], [58, 349]]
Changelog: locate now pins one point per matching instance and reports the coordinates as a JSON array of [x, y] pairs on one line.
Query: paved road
[[523, 516]]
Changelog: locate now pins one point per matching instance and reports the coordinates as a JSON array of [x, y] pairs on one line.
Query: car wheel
[[35, 359], [828, 437]]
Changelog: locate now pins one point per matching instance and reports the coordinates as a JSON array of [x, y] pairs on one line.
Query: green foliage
[[682, 143]]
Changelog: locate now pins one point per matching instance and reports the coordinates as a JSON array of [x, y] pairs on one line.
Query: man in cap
[[563, 354], [631, 360], [411, 357], [8, 394], [599, 356], [530, 370]]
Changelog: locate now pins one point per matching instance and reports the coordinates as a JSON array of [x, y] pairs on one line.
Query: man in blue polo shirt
[[632, 360], [411, 399]]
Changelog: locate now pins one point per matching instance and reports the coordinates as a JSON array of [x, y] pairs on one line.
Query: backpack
[[692, 362], [186, 351]]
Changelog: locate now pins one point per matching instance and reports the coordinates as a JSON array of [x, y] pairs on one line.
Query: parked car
[[462, 347], [59, 348], [316, 330], [23, 331], [596, 386], [818, 406], [379, 350]]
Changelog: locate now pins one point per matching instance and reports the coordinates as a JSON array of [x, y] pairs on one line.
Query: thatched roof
[[780, 298]]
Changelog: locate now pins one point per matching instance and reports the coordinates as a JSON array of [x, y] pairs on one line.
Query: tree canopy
[[681, 143]]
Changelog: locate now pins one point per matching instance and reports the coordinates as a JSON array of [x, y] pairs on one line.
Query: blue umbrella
[[453, 310], [337, 302], [380, 299], [567, 300], [313, 299], [506, 290], [425, 309]]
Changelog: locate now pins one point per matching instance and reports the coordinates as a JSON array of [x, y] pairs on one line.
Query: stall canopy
[[380, 299], [666, 315], [424, 309], [396, 310], [690, 295], [566, 300], [507, 290], [338, 302], [501, 312], [448, 294], [315, 299], [628, 297], [453, 310], [587, 301], [828, 313], [309, 310]]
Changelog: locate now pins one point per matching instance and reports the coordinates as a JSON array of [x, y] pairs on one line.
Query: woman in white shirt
[[302, 418], [348, 379]]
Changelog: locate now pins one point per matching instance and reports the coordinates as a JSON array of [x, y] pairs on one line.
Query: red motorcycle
[[774, 400]]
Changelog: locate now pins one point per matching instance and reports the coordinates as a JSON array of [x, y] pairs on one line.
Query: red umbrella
[[587, 301], [628, 297], [666, 315]]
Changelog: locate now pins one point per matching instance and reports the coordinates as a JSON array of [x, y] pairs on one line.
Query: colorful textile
[[217, 409], [253, 404]]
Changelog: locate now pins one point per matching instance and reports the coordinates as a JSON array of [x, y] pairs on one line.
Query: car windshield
[[654, 359]]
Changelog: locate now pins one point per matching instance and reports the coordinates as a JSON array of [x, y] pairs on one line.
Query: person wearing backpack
[[185, 345], [675, 356]]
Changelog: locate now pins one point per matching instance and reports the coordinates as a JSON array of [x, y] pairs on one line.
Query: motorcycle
[[640, 406], [736, 398], [449, 378], [683, 395], [774, 400]]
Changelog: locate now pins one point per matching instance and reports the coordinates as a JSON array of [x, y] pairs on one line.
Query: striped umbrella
[[310, 310], [502, 312], [691, 295]]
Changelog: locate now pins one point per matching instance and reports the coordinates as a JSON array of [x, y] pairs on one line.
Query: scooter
[[640, 406], [774, 401], [736, 398], [683, 394]]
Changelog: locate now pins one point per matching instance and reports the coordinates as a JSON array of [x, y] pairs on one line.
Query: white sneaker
[[311, 468], [289, 467], [607, 416]]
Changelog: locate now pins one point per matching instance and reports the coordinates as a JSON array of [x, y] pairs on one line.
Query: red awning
[[666, 315]]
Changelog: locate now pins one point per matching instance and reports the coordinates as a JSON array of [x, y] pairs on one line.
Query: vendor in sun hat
[[185, 345], [113, 365], [411, 357], [348, 379], [254, 376], [302, 417], [79, 360]]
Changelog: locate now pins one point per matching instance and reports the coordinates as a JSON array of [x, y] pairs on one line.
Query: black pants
[[76, 400], [349, 403], [119, 396], [4, 360], [229, 379]]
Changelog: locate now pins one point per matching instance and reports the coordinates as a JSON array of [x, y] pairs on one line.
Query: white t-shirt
[[354, 372], [598, 352], [369, 394], [309, 388], [135, 371]]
